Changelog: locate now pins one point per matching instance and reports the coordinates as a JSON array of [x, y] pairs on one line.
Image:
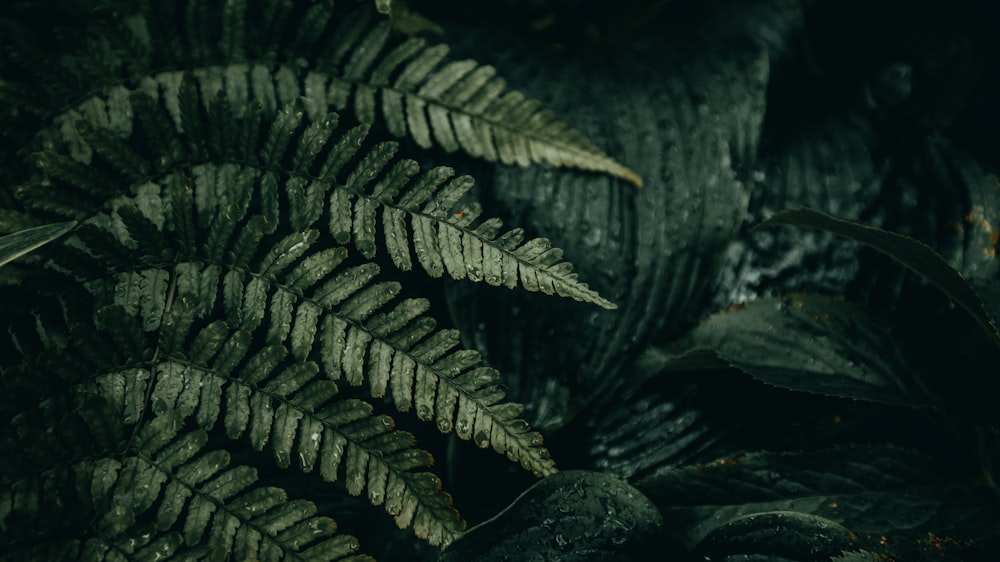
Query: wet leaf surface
[[872, 490], [15, 245], [572, 516], [777, 535], [907, 251], [821, 163], [685, 112], [808, 343]]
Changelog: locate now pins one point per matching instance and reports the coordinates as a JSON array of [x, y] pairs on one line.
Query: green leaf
[[808, 343], [13, 246], [776, 535], [463, 105], [910, 253], [652, 251], [444, 240], [857, 556], [572, 515], [213, 505], [871, 489]]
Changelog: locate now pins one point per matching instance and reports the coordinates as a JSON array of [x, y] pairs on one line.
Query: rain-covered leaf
[[777, 536], [869, 489], [17, 244], [911, 253], [808, 343], [572, 516], [856, 556], [821, 163], [686, 112]]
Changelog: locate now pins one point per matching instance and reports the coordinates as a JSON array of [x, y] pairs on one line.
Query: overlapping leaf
[[234, 303], [910, 253], [809, 343], [17, 244], [870, 489], [573, 515], [303, 161], [687, 110], [200, 505], [353, 63]]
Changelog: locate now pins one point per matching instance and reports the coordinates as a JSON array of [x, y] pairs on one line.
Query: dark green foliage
[[801, 342], [13, 246], [870, 489], [600, 518], [214, 232], [226, 223], [913, 254]]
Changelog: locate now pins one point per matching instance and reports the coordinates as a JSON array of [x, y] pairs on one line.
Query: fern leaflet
[[361, 68], [216, 241]]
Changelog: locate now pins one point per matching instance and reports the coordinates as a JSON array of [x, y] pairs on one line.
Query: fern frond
[[292, 159], [198, 505], [287, 407], [362, 68], [461, 104], [443, 240], [231, 300]]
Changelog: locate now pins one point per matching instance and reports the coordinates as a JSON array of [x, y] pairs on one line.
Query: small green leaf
[[857, 556], [910, 253], [13, 246]]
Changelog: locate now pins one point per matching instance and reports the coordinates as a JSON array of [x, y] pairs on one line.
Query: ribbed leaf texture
[[687, 110], [214, 245], [166, 498], [873, 490], [809, 343], [911, 253], [354, 63]]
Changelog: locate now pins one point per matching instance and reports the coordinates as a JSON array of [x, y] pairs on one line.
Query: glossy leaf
[[808, 343], [15, 245], [910, 253], [686, 112], [827, 164], [871, 489], [776, 535], [570, 516]]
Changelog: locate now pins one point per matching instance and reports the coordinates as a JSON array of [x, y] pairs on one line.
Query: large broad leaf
[[694, 418], [809, 343], [873, 490], [13, 246], [685, 112], [572, 516], [776, 536], [826, 164], [911, 253]]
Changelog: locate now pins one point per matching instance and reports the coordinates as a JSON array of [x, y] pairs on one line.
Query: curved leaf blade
[[573, 515], [910, 253], [777, 535], [870, 489], [23, 242], [808, 343]]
